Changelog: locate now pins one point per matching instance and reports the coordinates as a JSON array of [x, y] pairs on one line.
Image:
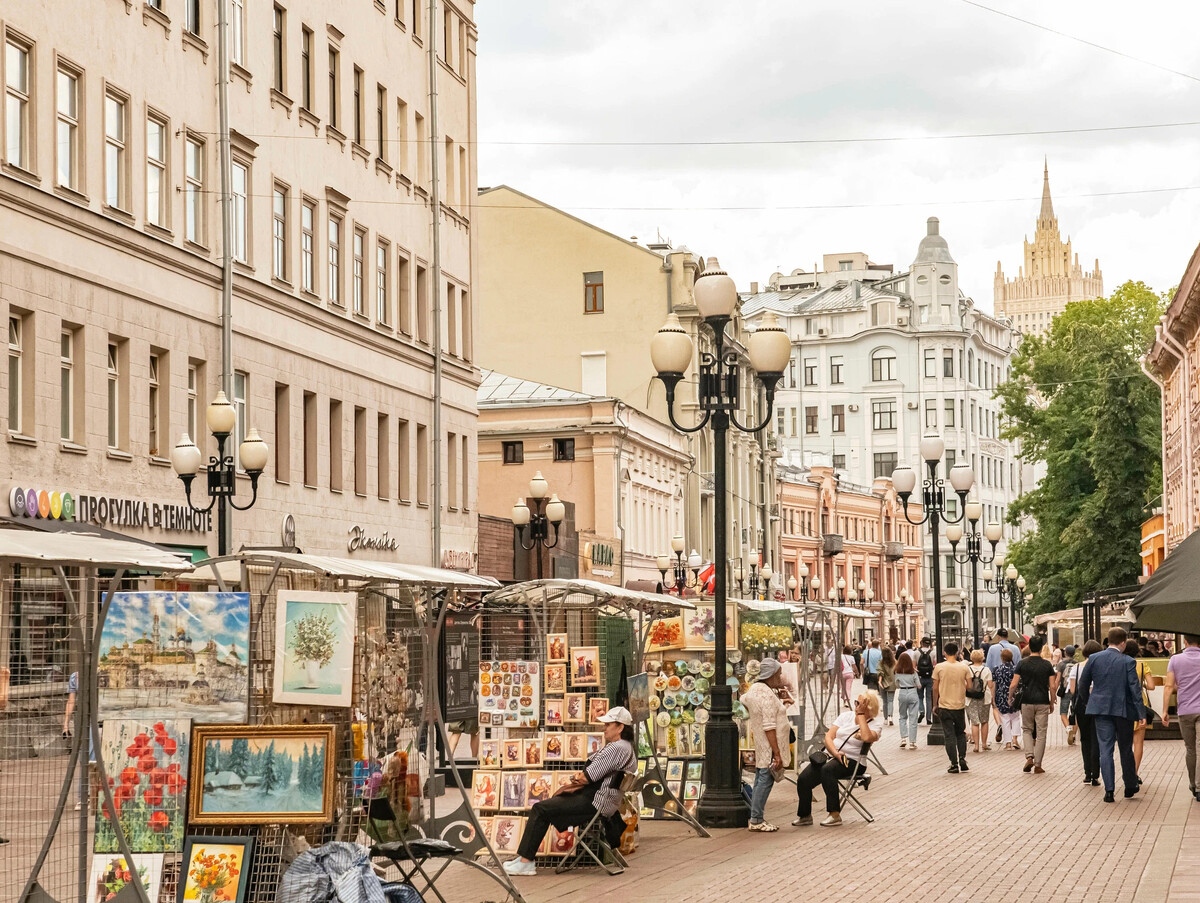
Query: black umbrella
[[1170, 600]]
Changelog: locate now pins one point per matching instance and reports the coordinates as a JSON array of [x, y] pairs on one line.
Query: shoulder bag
[[819, 757], [1015, 696]]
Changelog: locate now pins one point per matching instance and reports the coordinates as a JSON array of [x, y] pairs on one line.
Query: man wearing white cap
[[597, 788], [768, 719]]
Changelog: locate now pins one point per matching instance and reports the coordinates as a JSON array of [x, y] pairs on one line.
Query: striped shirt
[[608, 767]]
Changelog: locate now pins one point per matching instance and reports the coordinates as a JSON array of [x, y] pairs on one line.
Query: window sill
[[22, 439], [195, 246], [360, 152], [422, 504], [18, 172], [404, 501], [332, 131], [361, 495], [383, 167], [242, 73], [381, 6], [417, 39], [404, 180], [159, 231], [71, 448], [421, 192], [335, 491], [282, 284], [243, 267], [159, 461], [117, 213], [311, 486], [362, 318], [117, 454], [158, 17], [71, 194], [399, 23], [308, 117], [196, 42], [278, 98], [279, 482], [310, 296]]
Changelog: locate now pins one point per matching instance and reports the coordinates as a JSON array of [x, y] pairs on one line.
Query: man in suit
[[1115, 702]]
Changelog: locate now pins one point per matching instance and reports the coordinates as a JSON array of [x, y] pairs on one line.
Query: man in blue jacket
[[1116, 704]]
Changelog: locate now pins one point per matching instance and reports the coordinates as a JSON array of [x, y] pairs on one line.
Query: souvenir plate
[[689, 683], [654, 703], [660, 683], [695, 665], [702, 684], [668, 701], [701, 716], [707, 669], [735, 655], [696, 697], [674, 683], [662, 719]]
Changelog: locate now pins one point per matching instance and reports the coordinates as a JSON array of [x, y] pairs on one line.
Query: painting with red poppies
[[147, 768]]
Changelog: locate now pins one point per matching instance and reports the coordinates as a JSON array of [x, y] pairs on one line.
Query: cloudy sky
[[557, 79]]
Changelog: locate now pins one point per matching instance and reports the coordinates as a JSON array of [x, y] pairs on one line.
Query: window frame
[[334, 222], [812, 420], [358, 272], [66, 385], [161, 166], [308, 241], [24, 98], [810, 371], [883, 458], [116, 197], [73, 123], [838, 417], [237, 32], [193, 190], [113, 398], [241, 210], [593, 292], [564, 449], [883, 411], [836, 365], [512, 452], [879, 372], [191, 17], [280, 202], [383, 294], [154, 387], [279, 49], [306, 68]]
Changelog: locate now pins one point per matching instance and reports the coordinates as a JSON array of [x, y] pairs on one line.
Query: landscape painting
[[147, 764], [314, 648], [167, 655], [269, 774]]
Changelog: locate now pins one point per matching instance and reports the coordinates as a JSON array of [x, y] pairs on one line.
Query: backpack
[[975, 689], [925, 664]]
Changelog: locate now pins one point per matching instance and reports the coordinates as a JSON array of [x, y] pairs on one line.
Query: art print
[[556, 679], [553, 748], [314, 648], [556, 647], [562, 779], [597, 706], [695, 771], [508, 829], [169, 655], [485, 789], [110, 874], [594, 744], [700, 626], [486, 828], [576, 748], [639, 697], [148, 766], [512, 755], [554, 713], [691, 790], [269, 774], [538, 786], [585, 666], [664, 634], [512, 790], [561, 842], [675, 770], [575, 708], [532, 750], [489, 753], [215, 869]]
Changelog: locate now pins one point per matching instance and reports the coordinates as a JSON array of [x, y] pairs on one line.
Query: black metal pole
[[975, 597], [222, 528], [936, 736]]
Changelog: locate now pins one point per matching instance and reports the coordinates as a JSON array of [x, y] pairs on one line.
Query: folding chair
[[591, 841], [858, 780]]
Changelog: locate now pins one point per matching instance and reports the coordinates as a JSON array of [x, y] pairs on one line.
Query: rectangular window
[[404, 293], [157, 184], [383, 456], [949, 413], [114, 152], [401, 136], [381, 121], [452, 471], [282, 440], [810, 371], [279, 250], [422, 144], [335, 446], [885, 463], [358, 106], [464, 299], [66, 397], [930, 362], [193, 401], [241, 210], [593, 293], [448, 174], [951, 457], [403, 462], [308, 215], [951, 573], [451, 321], [360, 241], [883, 415], [278, 29], [18, 137], [839, 418], [153, 425], [931, 414], [422, 464], [191, 16], [883, 367], [115, 395], [839, 462], [792, 373], [240, 407], [466, 474], [779, 420], [16, 373], [810, 421], [360, 451], [237, 31], [835, 370], [335, 260], [793, 422], [948, 364], [564, 449], [514, 452], [464, 175], [67, 106], [194, 190], [383, 302], [422, 305], [310, 439], [306, 71], [335, 59]]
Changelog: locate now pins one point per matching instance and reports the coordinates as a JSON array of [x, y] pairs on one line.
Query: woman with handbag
[[887, 681], [908, 700], [1010, 714], [842, 755]]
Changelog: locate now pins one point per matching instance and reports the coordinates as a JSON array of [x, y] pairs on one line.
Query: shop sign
[[360, 540], [598, 558], [107, 511], [455, 560]]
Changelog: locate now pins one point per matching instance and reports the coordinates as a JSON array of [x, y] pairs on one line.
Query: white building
[[880, 361]]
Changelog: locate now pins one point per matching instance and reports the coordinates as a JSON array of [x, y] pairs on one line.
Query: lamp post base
[[937, 734], [722, 805]]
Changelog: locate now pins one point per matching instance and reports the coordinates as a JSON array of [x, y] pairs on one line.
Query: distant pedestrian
[[1066, 661], [1183, 677], [870, 666], [843, 742], [923, 659], [1144, 681], [768, 723], [849, 672], [1115, 701], [908, 700], [1010, 716], [980, 689], [887, 682], [1085, 723], [1038, 686], [993, 654], [950, 679]]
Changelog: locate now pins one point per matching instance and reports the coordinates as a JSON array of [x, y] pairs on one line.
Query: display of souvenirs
[[510, 693], [585, 666], [576, 706]]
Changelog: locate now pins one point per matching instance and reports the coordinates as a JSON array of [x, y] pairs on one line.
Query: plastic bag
[[629, 837]]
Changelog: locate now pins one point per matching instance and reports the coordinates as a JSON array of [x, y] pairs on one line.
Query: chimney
[[754, 288], [932, 225]]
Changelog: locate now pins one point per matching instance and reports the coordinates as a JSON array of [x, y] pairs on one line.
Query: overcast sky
[[578, 72]]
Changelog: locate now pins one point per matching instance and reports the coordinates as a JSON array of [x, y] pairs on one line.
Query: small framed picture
[[691, 790], [597, 706], [594, 743], [485, 824], [538, 786], [532, 749], [575, 708], [576, 748], [641, 768], [554, 713], [585, 666], [556, 679], [561, 842], [675, 770], [507, 831], [485, 789], [222, 862], [556, 647], [695, 771], [511, 754], [489, 753], [512, 790], [561, 779], [552, 748], [689, 806], [675, 788]]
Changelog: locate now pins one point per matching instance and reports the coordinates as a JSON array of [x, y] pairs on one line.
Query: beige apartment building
[[574, 306], [111, 264], [624, 472], [1050, 278]]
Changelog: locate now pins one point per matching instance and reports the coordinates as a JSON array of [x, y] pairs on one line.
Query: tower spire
[[1047, 206]]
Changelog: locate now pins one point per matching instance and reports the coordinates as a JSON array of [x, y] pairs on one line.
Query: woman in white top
[[844, 743], [848, 674]]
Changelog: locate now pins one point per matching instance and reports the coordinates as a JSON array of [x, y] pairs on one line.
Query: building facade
[[573, 306], [111, 266], [879, 363], [1050, 277]]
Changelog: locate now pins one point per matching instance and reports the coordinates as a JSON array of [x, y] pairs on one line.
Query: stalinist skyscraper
[[1050, 279]]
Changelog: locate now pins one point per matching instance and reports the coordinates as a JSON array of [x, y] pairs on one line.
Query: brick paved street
[[946, 837]]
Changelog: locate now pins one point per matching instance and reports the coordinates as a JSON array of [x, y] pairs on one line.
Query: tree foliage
[[1081, 408]]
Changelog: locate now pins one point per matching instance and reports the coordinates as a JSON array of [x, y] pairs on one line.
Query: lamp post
[[544, 515], [962, 619], [904, 612], [1016, 596], [799, 590], [719, 387], [759, 575], [680, 567], [933, 503], [221, 419], [974, 553]]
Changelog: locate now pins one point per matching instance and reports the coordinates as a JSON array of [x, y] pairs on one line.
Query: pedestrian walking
[[1010, 715], [1183, 677], [871, 660], [1115, 700], [887, 682], [993, 654], [980, 690], [1085, 723], [768, 720], [908, 700], [843, 751], [849, 672], [1066, 661], [1145, 681], [1039, 683], [924, 662], [950, 678]]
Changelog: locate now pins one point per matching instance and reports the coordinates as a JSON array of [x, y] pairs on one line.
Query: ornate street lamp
[[545, 514], [974, 553], [681, 581], [904, 611], [799, 590], [1016, 597], [719, 387], [221, 419]]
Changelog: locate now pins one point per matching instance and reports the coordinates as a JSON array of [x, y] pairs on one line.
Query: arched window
[[883, 365]]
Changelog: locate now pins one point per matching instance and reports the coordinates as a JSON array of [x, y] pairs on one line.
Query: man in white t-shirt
[[844, 743]]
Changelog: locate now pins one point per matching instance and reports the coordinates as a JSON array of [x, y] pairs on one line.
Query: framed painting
[[675, 770], [215, 869], [562, 779], [532, 750], [554, 713], [512, 790], [485, 789], [594, 743], [314, 648], [261, 775], [556, 647], [148, 766], [511, 755], [576, 748], [664, 634], [575, 708], [556, 679], [489, 753], [552, 749], [538, 786], [699, 627], [561, 842], [168, 655], [110, 875], [691, 790], [507, 833], [585, 666], [486, 828], [597, 706], [695, 771]]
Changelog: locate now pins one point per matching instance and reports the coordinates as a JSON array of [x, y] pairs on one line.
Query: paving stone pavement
[[943, 837]]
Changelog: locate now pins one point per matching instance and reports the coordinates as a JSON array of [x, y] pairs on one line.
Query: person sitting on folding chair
[[841, 759], [595, 789]]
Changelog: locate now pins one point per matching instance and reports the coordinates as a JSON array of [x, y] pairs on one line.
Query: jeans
[[1187, 727], [827, 777], [1088, 747], [954, 730], [763, 782], [927, 698], [909, 704], [1110, 730], [889, 698], [1035, 718]]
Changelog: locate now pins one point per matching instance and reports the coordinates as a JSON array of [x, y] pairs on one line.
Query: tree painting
[[261, 775]]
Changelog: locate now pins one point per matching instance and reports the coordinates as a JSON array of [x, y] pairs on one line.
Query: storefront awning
[[341, 568], [1170, 600], [68, 549]]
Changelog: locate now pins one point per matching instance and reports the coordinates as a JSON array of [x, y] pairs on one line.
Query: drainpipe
[[622, 435], [435, 199], [1185, 424]]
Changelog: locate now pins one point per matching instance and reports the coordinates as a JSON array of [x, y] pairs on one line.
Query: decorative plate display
[[668, 701], [695, 665], [689, 683], [655, 703], [735, 655], [660, 683], [707, 669], [753, 666], [668, 668], [696, 697], [732, 682], [673, 682], [681, 667], [662, 719], [702, 684], [702, 716]]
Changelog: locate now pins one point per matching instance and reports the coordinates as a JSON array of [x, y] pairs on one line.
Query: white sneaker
[[832, 820], [904, 744], [802, 821], [519, 866]]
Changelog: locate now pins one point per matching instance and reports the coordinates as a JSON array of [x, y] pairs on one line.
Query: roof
[[67, 549], [498, 390], [843, 295], [601, 592], [346, 568], [933, 248]]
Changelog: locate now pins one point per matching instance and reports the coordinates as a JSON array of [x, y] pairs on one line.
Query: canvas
[[532, 751], [575, 708], [511, 754], [664, 633], [215, 869], [561, 842], [508, 830], [597, 706], [489, 753], [512, 790], [314, 648], [699, 627], [556, 647], [110, 873], [556, 679], [675, 770], [594, 743], [268, 774], [554, 713], [148, 766], [576, 748], [585, 666], [552, 748], [538, 786], [485, 789], [168, 655]]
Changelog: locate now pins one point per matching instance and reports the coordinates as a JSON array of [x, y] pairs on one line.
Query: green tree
[[270, 778], [1079, 405], [305, 765], [238, 760]]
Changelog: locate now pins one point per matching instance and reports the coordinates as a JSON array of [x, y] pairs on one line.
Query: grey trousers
[[1035, 715], [1187, 727]]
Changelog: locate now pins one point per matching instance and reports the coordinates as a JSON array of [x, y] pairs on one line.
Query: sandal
[[764, 826]]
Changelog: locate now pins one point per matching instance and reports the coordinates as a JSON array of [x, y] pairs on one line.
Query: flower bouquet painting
[[216, 869], [110, 875], [314, 648], [700, 627], [146, 765]]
